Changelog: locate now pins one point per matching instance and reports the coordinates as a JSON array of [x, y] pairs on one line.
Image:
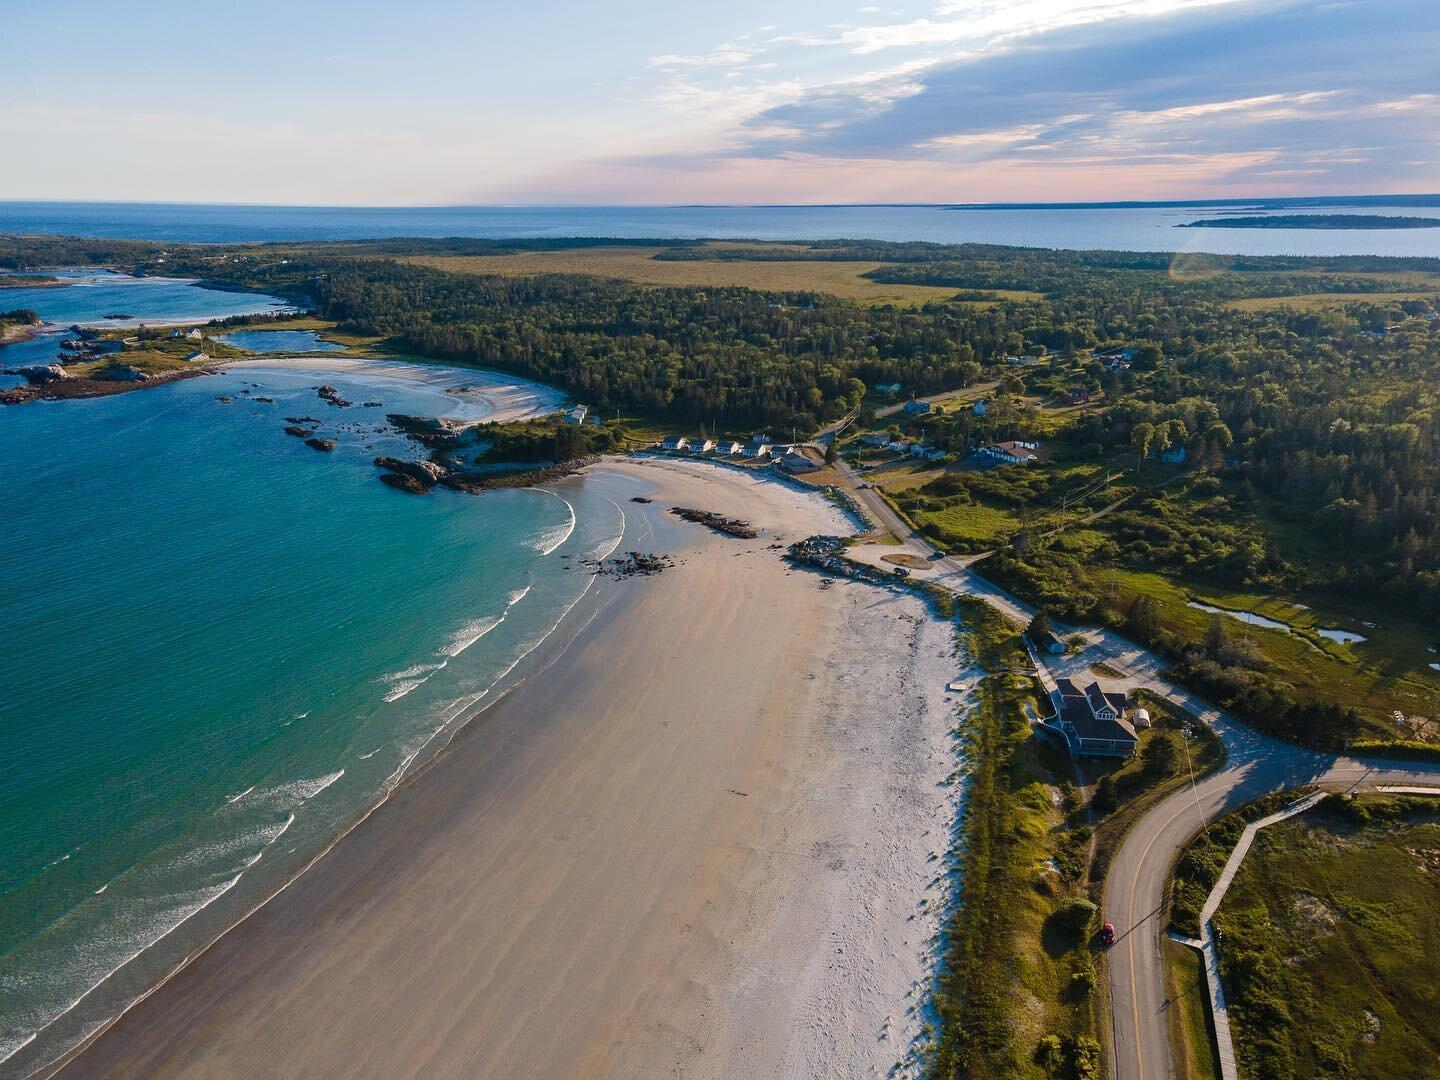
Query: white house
[[727, 447], [197, 358], [752, 449], [674, 442], [577, 414], [701, 446], [1022, 361], [875, 438], [1010, 453]]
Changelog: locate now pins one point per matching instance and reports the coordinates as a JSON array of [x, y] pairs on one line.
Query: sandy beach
[[705, 840]]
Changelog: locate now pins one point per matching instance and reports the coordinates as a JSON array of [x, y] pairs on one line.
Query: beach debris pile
[[729, 526], [827, 553], [633, 563]]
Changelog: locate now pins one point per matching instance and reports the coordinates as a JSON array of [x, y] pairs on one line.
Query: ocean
[[220, 647], [1128, 228]]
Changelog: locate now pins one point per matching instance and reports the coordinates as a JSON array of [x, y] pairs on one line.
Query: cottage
[[875, 439], [1093, 721], [917, 408], [1174, 455], [701, 445], [755, 449], [577, 414], [674, 442], [197, 358], [727, 447], [1078, 396], [1022, 361], [933, 454], [888, 389]]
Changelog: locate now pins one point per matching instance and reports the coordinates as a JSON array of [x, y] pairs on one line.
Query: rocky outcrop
[[40, 374], [424, 473], [298, 431], [405, 483], [330, 394], [327, 445]]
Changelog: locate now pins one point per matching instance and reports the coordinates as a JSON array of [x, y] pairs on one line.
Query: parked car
[[900, 571], [1107, 934]]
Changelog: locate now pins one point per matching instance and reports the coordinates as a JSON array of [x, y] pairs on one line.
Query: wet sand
[[697, 844]]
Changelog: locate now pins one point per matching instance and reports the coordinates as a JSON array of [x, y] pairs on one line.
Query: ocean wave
[[470, 633], [550, 539], [173, 912], [231, 799]]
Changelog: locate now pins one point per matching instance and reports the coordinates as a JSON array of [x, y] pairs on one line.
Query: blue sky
[[445, 102]]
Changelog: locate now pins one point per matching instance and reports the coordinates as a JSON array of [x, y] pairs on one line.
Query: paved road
[[1255, 765]]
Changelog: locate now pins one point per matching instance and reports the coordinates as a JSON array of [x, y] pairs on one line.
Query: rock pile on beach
[[643, 564], [729, 526], [40, 374]]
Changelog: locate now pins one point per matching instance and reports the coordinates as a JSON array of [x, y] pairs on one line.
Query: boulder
[[298, 431], [404, 483], [326, 445]]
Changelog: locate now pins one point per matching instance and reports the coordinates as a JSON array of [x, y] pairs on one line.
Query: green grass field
[[1330, 940], [1387, 672]]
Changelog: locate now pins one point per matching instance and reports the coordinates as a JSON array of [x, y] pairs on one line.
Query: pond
[[279, 341], [1342, 637]]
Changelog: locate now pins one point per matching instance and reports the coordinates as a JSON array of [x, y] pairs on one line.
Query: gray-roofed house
[[1093, 721]]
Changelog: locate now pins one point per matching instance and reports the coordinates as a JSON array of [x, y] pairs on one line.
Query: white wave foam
[[372, 753], [471, 633], [517, 596], [165, 922], [546, 542], [229, 799]]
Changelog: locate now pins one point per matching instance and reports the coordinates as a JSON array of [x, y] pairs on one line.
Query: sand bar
[[477, 393], [697, 844]]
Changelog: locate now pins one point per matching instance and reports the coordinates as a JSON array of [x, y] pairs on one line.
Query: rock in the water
[[404, 483], [425, 473], [321, 444], [298, 431]]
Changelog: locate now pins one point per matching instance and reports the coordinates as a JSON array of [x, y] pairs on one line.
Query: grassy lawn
[[1331, 935], [842, 279], [1321, 300]]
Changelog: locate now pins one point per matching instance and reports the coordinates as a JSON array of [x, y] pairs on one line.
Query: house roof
[[1068, 689], [1014, 449], [1087, 726]]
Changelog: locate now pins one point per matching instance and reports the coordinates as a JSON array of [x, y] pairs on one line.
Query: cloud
[[1266, 90]]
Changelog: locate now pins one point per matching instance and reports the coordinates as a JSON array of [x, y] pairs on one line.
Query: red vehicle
[[1107, 934]]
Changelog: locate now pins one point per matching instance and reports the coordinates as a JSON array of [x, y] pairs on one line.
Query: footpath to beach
[[706, 840]]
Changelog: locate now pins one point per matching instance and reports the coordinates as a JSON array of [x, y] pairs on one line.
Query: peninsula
[[1315, 221]]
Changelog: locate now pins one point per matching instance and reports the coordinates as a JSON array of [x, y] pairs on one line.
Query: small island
[[1315, 221]]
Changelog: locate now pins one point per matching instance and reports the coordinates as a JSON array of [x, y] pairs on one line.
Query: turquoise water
[[219, 648], [280, 341]]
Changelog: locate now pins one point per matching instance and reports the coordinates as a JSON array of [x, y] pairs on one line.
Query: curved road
[[1255, 765]]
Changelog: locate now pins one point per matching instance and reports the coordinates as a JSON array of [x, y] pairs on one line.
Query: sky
[[643, 102]]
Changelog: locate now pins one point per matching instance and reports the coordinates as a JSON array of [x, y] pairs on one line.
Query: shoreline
[[794, 768]]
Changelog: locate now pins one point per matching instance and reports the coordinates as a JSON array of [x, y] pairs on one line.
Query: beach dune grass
[[1331, 933]]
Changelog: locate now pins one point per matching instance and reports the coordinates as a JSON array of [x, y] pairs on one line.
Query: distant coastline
[[1315, 221]]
